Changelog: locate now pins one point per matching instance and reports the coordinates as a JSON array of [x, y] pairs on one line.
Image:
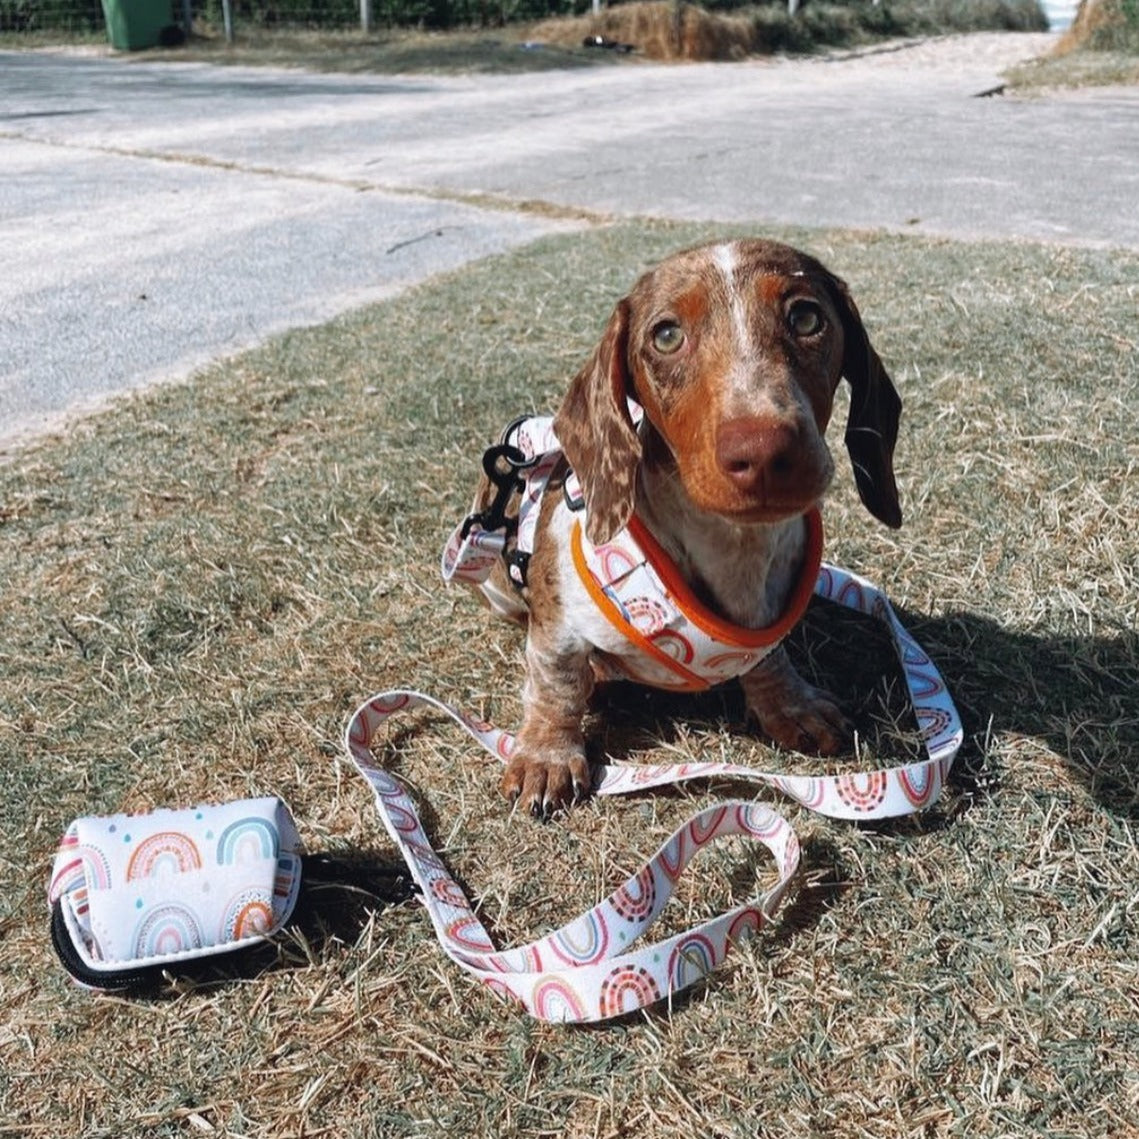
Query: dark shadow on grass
[[845, 652], [1077, 695]]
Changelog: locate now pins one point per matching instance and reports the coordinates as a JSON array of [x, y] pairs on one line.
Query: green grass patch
[[199, 586]]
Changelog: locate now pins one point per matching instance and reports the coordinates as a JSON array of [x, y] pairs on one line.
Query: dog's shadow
[[1078, 695]]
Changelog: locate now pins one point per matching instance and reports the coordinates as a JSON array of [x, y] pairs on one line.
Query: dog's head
[[734, 350]]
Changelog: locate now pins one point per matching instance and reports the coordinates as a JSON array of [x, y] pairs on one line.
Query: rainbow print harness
[[680, 643], [674, 641]]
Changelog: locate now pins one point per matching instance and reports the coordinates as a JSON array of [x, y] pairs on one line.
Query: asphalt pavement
[[158, 215]]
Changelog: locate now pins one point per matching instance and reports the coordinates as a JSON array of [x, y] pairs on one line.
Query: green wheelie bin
[[136, 24]]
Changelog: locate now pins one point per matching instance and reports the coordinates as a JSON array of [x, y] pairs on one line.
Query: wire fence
[[87, 16], [179, 18]]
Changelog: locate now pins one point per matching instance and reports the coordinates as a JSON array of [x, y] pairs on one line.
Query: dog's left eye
[[805, 318], [668, 337]]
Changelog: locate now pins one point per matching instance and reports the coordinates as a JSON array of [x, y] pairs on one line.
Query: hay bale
[[660, 30]]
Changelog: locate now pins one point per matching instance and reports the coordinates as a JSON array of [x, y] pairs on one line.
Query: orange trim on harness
[[611, 611], [715, 626], [710, 623]]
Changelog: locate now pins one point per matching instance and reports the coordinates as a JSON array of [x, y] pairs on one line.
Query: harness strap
[[680, 642], [584, 971]]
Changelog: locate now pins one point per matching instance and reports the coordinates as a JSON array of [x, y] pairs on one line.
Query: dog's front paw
[[795, 714], [810, 722], [547, 783]]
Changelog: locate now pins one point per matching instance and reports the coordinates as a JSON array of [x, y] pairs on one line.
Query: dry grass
[[1075, 69], [1100, 49], [660, 30], [201, 584], [1103, 25], [500, 51]]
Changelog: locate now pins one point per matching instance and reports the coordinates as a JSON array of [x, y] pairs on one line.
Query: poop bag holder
[[133, 896]]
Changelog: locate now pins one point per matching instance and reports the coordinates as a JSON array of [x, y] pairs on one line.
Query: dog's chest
[[608, 590], [744, 577]]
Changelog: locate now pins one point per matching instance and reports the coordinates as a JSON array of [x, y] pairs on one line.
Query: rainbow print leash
[[587, 970]]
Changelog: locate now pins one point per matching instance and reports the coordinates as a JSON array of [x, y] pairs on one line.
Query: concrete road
[[157, 215]]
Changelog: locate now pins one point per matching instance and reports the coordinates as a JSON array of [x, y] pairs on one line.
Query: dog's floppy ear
[[875, 409], [597, 435]]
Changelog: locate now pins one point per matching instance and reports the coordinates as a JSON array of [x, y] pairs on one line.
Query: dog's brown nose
[[757, 454]]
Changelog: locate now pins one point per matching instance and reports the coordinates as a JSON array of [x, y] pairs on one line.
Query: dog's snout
[[755, 452]]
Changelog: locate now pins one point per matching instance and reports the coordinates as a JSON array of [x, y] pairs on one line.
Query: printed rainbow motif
[[249, 914], [628, 988], [168, 852], [582, 942], [468, 933], [556, 1000], [165, 930], [674, 856], [805, 789], [864, 791], [705, 825], [747, 924], [919, 783], [635, 900], [760, 821], [248, 840], [675, 645], [692, 959], [733, 663], [645, 615], [449, 892], [79, 865]]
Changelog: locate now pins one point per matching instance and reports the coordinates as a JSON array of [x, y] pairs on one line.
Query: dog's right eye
[[805, 318], [668, 337]]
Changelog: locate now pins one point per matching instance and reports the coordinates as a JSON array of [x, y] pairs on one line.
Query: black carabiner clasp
[[501, 464]]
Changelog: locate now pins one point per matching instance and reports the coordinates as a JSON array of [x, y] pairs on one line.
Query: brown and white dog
[[734, 351]]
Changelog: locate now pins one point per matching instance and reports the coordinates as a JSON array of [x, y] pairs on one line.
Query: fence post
[[365, 16], [227, 20]]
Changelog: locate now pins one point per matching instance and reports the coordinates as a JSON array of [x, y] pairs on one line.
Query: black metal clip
[[501, 464]]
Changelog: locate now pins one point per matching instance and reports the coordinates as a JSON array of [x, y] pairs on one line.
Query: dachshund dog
[[697, 425]]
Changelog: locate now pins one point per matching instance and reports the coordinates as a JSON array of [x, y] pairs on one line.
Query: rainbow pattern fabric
[[173, 885], [589, 970]]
